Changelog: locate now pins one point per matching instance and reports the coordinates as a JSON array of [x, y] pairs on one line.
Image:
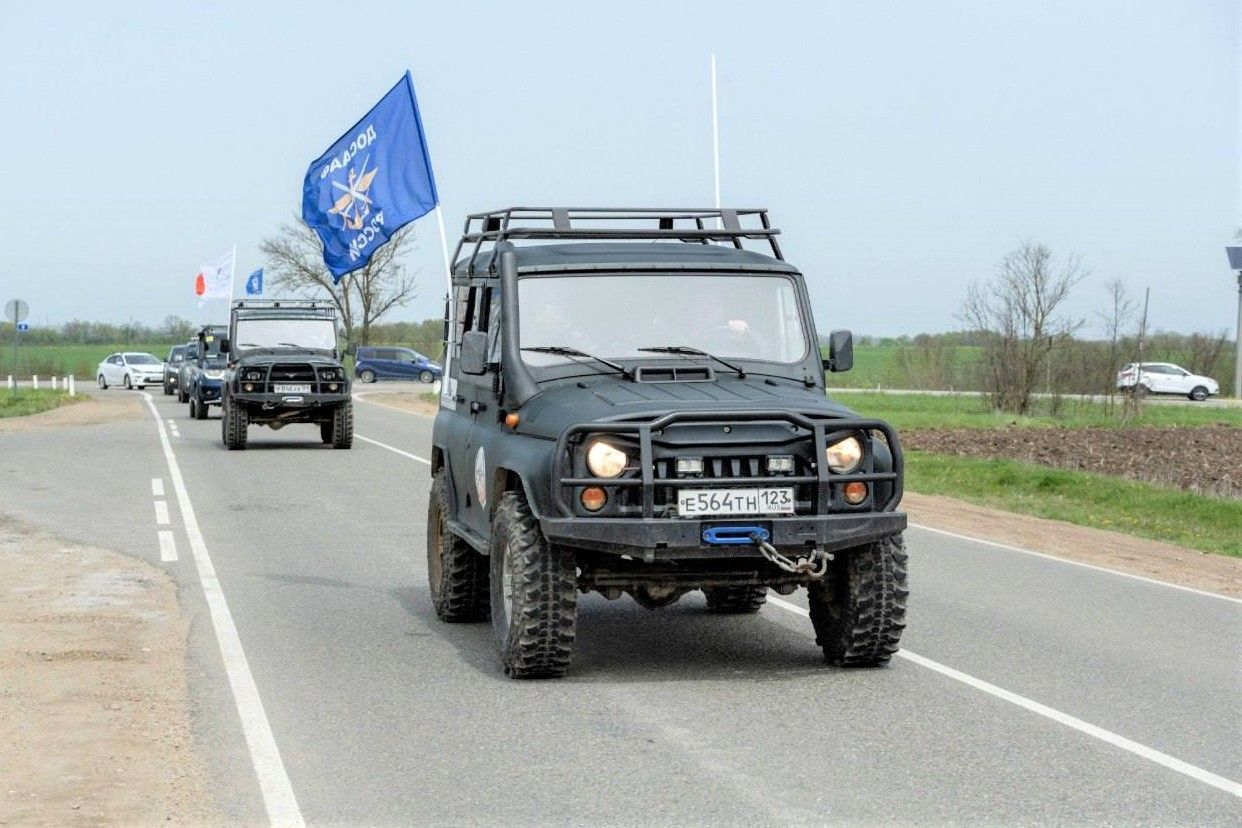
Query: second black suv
[[637, 405], [284, 367]]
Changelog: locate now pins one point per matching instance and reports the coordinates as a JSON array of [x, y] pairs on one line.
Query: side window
[[493, 331]]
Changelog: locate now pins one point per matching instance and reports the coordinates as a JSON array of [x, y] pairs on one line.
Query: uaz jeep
[[284, 368], [637, 404]]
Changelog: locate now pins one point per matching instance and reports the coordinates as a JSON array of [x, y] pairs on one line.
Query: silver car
[[131, 370]]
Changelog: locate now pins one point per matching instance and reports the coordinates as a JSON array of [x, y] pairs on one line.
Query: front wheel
[[534, 594], [366, 375], [103, 383], [340, 430], [197, 408], [167, 390], [859, 610], [128, 383], [234, 421], [1198, 393], [426, 377]]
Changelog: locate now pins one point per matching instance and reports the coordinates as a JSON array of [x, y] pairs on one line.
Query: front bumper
[[274, 401], [658, 539]]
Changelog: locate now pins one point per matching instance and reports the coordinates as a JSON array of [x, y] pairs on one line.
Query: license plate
[[695, 502], [291, 389]]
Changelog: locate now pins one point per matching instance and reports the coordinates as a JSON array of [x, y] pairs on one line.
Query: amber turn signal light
[[593, 498], [855, 493], [512, 419]]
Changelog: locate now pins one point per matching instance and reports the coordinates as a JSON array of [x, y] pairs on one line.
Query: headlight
[[605, 461], [214, 373], [328, 374], [254, 376], [845, 455]]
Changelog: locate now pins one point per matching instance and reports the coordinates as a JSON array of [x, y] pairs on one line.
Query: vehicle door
[[1157, 378], [110, 372], [476, 405], [1180, 380], [386, 363], [406, 364]]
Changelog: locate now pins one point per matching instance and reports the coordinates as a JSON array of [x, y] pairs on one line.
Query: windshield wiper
[[685, 350], [563, 350]]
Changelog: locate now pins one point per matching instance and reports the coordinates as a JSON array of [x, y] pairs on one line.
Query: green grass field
[[1209, 524], [80, 361], [24, 401], [910, 411]]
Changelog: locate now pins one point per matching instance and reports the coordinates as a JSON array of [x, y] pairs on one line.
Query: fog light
[[333, 386], [855, 493], [689, 465], [593, 498], [781, 464], [248, 387]]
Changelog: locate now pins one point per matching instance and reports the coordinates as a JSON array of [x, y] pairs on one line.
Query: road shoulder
[[1112, 550], [94, 717], [105, 407]]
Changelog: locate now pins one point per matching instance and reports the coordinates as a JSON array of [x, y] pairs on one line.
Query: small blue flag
[[372, 182], [254, 283]]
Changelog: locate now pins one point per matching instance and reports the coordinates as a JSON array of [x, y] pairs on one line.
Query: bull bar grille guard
[[825, 431]]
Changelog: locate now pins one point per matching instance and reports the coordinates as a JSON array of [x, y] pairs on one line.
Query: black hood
[[321, 359], [611, 398]]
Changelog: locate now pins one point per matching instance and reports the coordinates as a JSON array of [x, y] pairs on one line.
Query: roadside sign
[[15, 310], [22, 327]]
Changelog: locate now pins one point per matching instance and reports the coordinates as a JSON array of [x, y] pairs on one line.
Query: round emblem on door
[[480, 477]]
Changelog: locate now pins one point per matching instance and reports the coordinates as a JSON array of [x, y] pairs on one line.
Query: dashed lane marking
[[393, 449], [168, 546], [274, 785], [1142, 751], [161, 512], [157, 486]]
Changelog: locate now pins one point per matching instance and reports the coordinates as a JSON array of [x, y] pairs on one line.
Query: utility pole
[[1235, 262]]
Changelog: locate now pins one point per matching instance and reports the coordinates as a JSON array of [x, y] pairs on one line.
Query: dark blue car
[[372, 364]]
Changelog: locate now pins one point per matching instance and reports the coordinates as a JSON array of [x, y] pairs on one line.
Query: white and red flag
[[215, 280]]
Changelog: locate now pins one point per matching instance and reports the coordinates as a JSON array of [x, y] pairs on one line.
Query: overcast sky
[[902, 148]]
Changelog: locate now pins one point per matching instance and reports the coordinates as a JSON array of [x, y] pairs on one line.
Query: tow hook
[[813, 566]]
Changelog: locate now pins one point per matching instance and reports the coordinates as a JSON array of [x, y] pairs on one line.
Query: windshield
[[141, 359], [744, 317], [286, 333]]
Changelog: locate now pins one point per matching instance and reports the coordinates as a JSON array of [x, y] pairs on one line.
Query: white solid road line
[[393, 449], [157, 486], [1142, 751], [1048, 557], [278, 799], [168, 546], [161, 512]]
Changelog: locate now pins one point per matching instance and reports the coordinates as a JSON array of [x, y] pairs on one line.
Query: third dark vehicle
[[284, 367], [636, 404], [204, 377]]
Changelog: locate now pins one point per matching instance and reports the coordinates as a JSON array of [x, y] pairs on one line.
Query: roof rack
[[301, 304], [701, 226]]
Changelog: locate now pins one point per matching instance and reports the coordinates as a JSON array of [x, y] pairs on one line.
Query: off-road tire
[[426, 377], [342, 426], [103, 383], [1198, 393], [860, 612], [534, 625], [735, 600], [233, 424], [198, 408], [366, 375], [456, 574]]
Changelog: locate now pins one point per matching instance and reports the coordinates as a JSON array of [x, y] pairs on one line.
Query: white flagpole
[[232, 279], [715, 139], [448, 388]]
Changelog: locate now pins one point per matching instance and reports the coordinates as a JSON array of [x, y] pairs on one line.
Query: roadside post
[[1235, 262], [16, 311]]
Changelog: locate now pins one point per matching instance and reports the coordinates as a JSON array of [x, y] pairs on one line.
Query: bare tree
[[294, 258], [1116, 318], [176, 329], [1016, 315]]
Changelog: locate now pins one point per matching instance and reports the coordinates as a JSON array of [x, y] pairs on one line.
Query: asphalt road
[[1030, 690]]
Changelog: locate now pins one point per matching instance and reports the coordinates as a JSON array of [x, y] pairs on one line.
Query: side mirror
[[840, 351], [474, 353], [224, 346]]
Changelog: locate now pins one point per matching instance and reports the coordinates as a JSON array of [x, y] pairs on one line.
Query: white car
[[132, 370], [1165, 378]]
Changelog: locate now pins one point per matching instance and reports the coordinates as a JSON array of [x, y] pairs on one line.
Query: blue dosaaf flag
[[372, 182], [254, 283]]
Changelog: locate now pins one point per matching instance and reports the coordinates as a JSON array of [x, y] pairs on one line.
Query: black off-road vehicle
[[284, 367], [637, 404]]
